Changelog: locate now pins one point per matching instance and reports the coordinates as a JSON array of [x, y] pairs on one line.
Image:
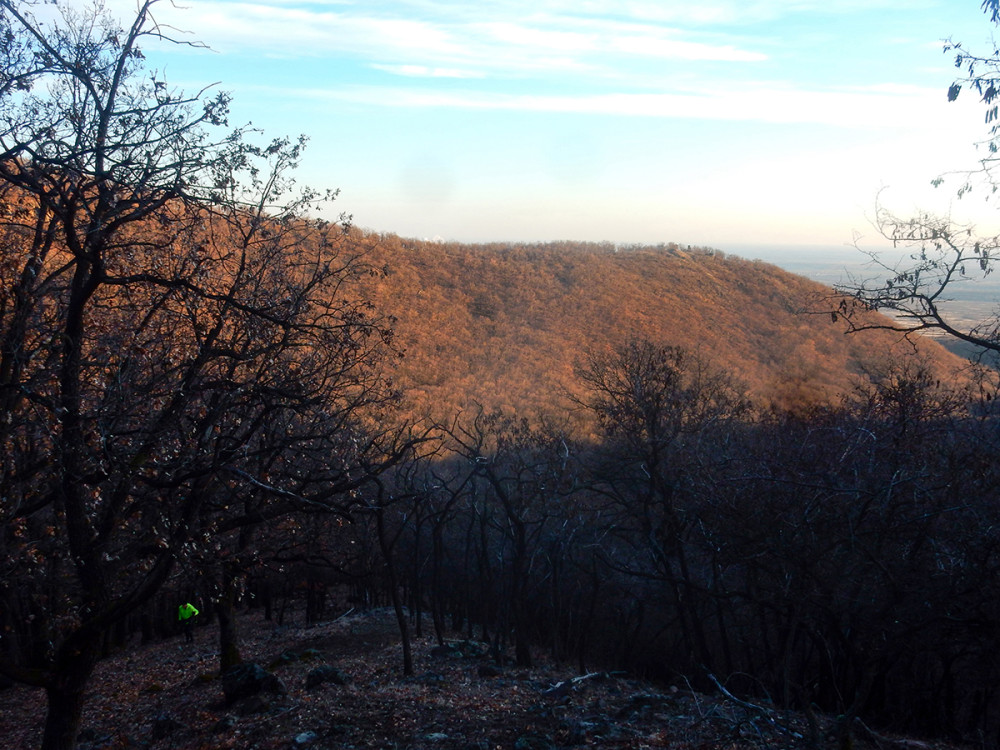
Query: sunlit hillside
[[505, 326]]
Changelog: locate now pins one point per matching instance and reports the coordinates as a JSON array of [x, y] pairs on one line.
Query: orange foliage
[[506, 325]]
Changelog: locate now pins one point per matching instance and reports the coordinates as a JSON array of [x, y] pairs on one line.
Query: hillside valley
[[440, 495], [506, 326]]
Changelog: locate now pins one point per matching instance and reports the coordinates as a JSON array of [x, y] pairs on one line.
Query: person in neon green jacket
[[185, 616]]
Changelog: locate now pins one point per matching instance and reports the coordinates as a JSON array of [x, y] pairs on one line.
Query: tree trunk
[[522, 650], [416, 586], [397, 604], [437, 595], [146, 626], [404, 632], [229, 641], [267, 597], [66, 689]]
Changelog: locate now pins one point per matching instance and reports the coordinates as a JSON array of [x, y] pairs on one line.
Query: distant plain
[[970, 300]]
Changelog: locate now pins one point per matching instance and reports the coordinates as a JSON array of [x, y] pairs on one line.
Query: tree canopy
[[173, 365]]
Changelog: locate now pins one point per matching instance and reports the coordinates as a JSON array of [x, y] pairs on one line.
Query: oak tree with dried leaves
[[171, 373]]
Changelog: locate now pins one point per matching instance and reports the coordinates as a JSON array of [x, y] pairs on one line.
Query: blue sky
[[725, 123]]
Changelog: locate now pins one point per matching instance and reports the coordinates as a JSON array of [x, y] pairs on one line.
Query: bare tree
[[916, 291], [656, 405], [169, 370], [517, 471]]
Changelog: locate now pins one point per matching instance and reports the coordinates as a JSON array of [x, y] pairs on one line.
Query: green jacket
[[186, 612]]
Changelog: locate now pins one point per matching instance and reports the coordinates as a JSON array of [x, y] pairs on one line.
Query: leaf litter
[[167, 695]]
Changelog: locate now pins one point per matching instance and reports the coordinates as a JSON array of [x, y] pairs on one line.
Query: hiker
[[185, 616]]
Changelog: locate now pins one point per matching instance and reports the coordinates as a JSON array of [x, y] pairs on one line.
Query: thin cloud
[[877, 107], [613, 57], [600, 37], [675, 49], [309, 32], [423, 71], [499, 39], [676, 12], [522, 35]]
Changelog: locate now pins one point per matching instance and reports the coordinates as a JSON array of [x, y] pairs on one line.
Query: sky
[[721, 123]]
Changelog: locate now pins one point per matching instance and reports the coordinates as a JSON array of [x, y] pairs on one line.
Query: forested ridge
[[614, 460], [505, 326], [661, 463]]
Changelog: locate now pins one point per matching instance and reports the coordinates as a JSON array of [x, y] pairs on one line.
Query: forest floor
[[167, 696]]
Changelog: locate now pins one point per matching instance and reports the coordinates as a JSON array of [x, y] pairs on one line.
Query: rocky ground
[[168, 696]]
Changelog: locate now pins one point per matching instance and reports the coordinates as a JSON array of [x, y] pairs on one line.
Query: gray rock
[[224, 724], [254, 704], [249, 679], [164, 725], [325, 674], [474, 649]]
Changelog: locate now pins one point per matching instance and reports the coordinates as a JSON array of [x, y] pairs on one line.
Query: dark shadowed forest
[[657, 462]]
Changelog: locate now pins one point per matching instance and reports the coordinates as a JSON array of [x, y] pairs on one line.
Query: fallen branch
[[341, 617], [882, 740], [759, 710], [562, 688]]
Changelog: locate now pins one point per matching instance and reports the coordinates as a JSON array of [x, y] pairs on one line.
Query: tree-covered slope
[[505, 326]]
